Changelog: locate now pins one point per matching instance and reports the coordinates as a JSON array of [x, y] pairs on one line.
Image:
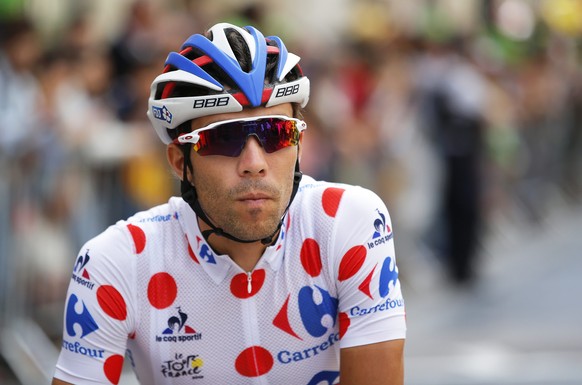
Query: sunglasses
[[228, 137]]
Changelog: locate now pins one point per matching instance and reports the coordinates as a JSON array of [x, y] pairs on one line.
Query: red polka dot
[[311, 257], [365, 285], [254, 362], [331, 199], [344, 323], [239, 285], [352, 262], [112, 368], [139, 238], [162, 290], [112, 302]]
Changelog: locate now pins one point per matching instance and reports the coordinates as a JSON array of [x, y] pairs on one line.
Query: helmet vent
[[182, 90], [239, 48]]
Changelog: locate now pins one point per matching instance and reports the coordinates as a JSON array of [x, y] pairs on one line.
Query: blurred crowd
[[454, 129]]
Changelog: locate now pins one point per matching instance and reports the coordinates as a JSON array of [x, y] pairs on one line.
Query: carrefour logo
[[162, 113], [388, 276], [206, 254], [82, 319], [388, 304], [318, 312], [287, 357], [312, 313]]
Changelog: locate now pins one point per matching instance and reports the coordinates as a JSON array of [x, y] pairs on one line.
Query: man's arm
[[375, 364], [56, 381]]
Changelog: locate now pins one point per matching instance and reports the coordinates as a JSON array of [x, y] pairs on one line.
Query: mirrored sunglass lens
[[224, 139], [229, 139], [281, 134]]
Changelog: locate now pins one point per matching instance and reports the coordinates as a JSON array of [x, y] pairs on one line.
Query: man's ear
[[175, 158]]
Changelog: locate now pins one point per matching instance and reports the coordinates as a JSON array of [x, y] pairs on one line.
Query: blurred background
[[465, 116]]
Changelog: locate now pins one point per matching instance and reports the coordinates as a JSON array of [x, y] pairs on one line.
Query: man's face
[[245, 195]]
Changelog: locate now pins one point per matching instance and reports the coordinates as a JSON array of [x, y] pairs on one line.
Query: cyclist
[[257, 274]]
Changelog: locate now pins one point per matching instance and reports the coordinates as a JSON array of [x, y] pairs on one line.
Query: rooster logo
[[379, 225], [177, 324]]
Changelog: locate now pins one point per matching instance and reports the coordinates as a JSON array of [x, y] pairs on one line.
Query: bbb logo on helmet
[[211, 102], [287, 91], [162, 113]]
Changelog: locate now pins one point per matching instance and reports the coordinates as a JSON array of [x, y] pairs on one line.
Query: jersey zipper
[[251, 324]]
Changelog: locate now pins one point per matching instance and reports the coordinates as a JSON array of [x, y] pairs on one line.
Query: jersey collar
[[218, 266]]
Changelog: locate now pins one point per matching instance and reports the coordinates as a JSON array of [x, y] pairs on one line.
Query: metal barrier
[[23, 344]]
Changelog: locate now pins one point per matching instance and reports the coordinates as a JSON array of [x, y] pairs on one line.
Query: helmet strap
[[190, 196]]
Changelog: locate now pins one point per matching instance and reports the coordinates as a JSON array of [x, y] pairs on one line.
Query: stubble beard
[[253, 224]]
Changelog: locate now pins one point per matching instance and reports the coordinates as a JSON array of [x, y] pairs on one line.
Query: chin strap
[[191, 197]]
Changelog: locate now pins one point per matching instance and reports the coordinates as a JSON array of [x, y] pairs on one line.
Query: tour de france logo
[[183, 365]]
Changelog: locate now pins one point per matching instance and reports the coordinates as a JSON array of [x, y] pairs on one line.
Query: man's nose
[[252, 159]]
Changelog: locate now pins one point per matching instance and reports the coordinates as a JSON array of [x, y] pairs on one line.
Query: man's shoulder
[[130, 236], [149, 221], [164, 213], [333, 195]]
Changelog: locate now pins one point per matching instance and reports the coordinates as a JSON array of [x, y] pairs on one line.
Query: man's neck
[[246, 255]]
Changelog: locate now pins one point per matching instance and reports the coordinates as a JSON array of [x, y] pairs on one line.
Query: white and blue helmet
[[206, 77]]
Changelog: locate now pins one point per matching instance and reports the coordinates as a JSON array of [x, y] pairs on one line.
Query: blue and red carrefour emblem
[[82, 319]]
